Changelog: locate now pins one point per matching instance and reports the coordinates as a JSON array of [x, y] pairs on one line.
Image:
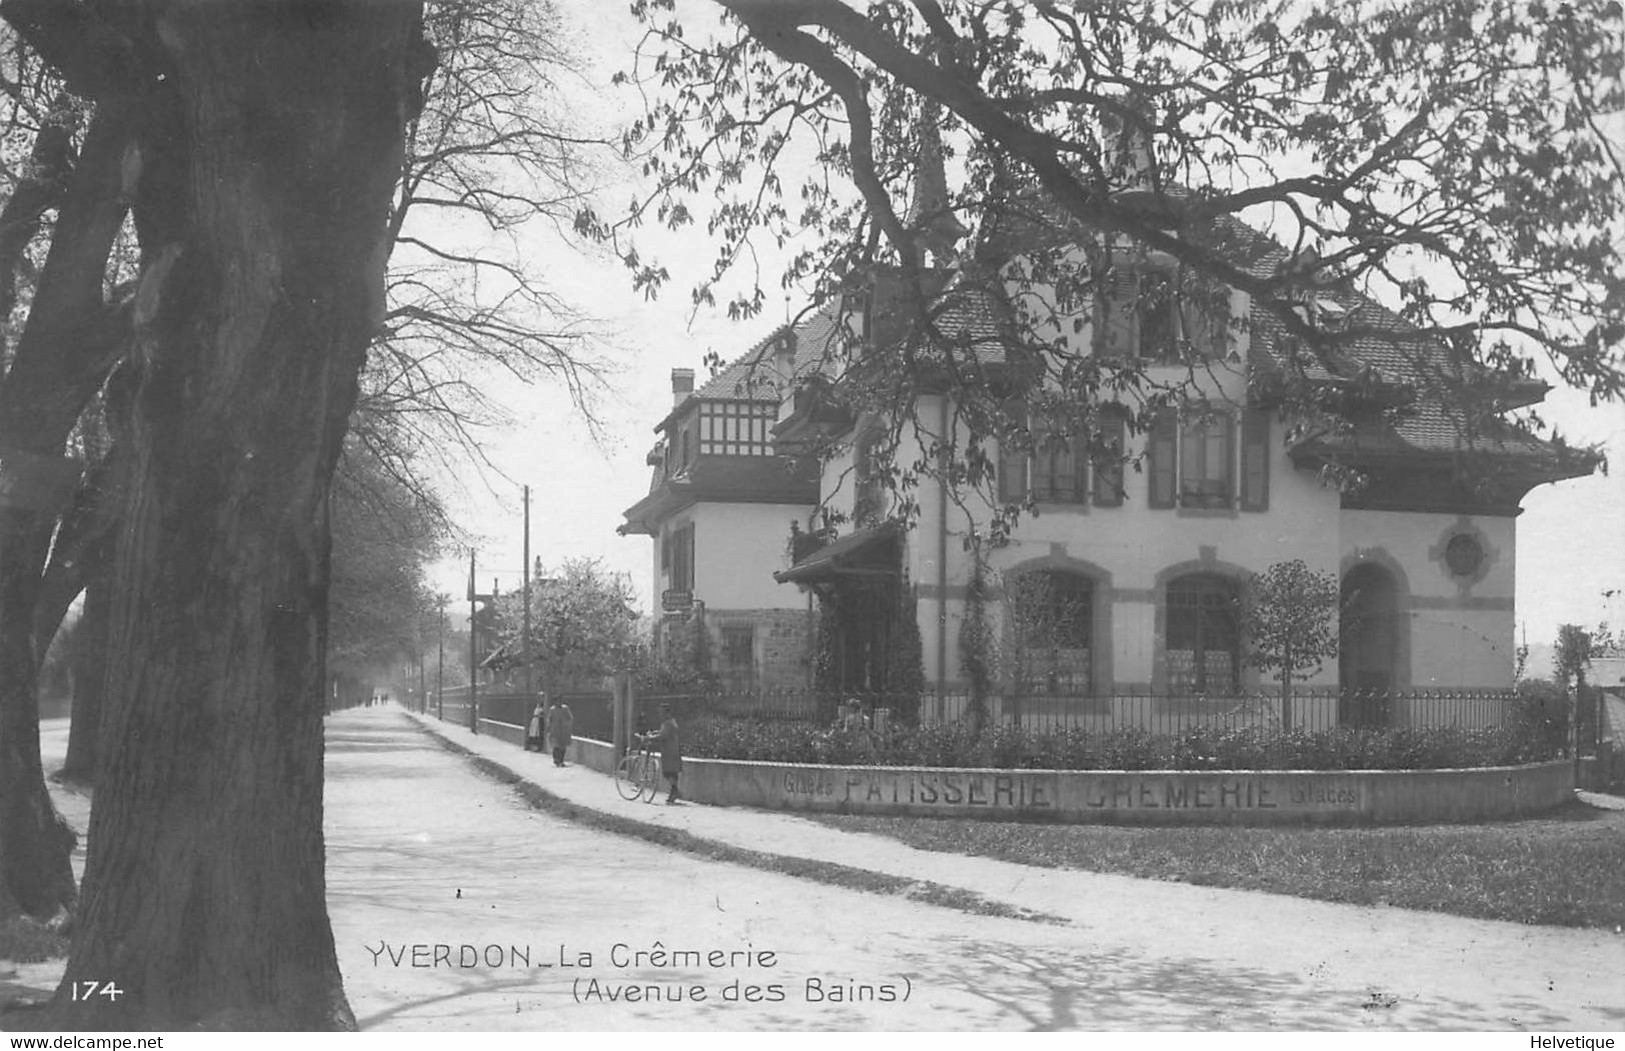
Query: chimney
[[784, 357], [682, 385]]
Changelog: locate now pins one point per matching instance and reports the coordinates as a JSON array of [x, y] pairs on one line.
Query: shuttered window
[[1146, 313], [1205, 468], [1058, 473], [1052, 472]]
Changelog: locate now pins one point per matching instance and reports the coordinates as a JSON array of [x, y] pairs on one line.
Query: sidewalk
[[1470, 974]]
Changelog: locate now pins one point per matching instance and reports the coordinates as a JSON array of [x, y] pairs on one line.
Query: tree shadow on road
[[1095, 989]]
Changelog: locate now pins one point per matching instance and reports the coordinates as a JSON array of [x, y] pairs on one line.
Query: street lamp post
[[473, 651]]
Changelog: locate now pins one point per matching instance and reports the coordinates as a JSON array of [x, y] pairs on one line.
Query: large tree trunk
[[82, 564], [268, 150], [89, 664], [58, 364]]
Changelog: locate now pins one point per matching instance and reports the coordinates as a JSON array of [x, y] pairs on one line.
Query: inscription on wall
[[950, 788], [1027, 792]]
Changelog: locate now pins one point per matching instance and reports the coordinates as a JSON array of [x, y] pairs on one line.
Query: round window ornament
[[1464, 554]]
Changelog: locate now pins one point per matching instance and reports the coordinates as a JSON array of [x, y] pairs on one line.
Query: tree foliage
[[384, 533], [582, 623], [1574, 648], [492, 163], [1460, 162]]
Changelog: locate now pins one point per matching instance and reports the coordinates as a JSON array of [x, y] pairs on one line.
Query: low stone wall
[[1243, 797], [594, 755], [1150, 797], [503, 731]]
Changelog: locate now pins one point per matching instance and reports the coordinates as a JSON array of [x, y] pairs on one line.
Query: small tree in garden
[[1288, 621], [1575, 648]]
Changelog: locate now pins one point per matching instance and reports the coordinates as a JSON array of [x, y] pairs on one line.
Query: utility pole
[[473, 651], [423, 682], [524, 637]]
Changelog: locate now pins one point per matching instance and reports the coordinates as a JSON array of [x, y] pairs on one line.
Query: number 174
[[87, 989]]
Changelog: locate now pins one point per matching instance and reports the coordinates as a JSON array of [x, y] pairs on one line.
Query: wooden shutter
[[1116, 323], [1080, 469], [1109, 460], [1160, 455], [1157, 311], [1013, 461], [1255, 460]]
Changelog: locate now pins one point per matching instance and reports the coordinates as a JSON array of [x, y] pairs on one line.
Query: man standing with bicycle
[[669, 741]]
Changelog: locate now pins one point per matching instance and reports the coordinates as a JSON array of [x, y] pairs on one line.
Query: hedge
[[1061, 748]]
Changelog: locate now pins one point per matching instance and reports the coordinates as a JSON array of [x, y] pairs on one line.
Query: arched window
[[1051, 627], [1203, 635]]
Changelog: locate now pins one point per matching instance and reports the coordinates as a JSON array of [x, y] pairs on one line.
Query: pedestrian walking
[[670, 742], [535, 728], [561, 725]]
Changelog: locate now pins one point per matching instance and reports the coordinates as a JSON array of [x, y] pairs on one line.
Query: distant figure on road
[[670, 742], [560, 725], [536, 726], [853, 719]]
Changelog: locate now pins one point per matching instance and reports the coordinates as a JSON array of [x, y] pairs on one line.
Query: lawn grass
[[1566, 868]]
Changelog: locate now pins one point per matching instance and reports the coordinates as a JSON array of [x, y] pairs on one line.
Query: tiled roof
[[726, 479], [1389, 349], [968, 315], [868, 551], [754, 374]]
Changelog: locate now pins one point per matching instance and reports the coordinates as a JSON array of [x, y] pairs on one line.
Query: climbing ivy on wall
[[977, 647], [905, 657], [825, 664]]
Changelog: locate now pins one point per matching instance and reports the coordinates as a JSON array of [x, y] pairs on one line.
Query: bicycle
[[638, 773]]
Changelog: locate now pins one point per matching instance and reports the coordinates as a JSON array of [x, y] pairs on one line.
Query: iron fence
[[1162, 715], [1157, 714]]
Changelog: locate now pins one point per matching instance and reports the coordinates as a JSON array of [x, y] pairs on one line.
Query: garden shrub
[[1008, 746], [1542, 713]]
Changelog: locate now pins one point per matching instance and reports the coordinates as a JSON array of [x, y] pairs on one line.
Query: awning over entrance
[[866, 553]]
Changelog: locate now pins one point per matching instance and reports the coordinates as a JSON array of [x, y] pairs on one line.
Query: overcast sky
[[1569, 537]]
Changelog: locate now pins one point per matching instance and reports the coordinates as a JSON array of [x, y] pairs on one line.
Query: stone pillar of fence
[[621, 704]]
